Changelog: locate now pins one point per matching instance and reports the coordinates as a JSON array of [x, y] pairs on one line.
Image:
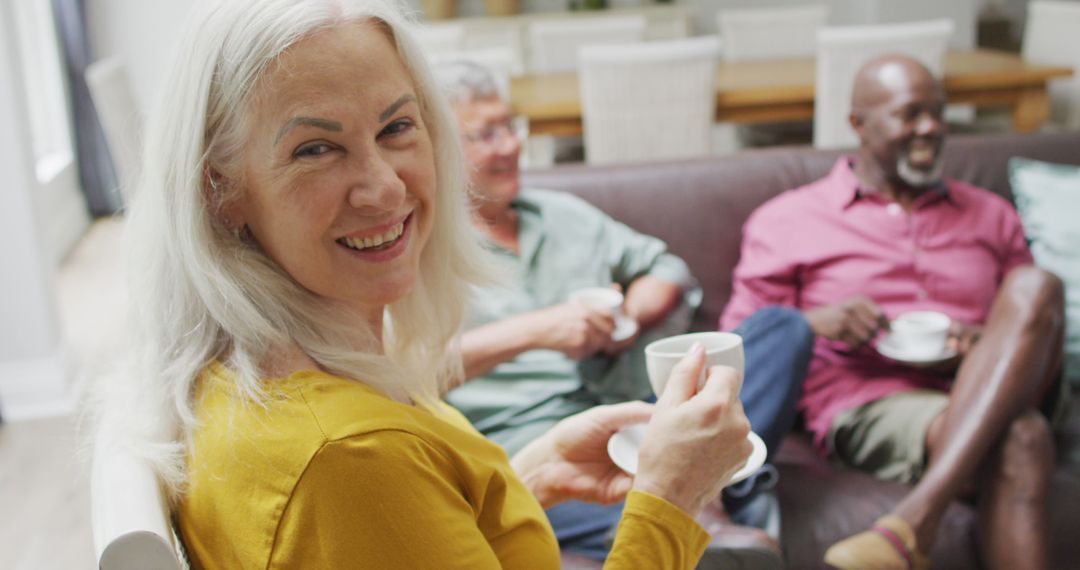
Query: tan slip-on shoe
[[888, 545]]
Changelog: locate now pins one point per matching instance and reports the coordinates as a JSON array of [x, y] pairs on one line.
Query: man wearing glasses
[[532, 357]]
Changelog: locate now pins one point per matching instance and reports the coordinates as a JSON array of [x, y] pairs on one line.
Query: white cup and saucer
[[607, 299], [918, 338], [721, 348]]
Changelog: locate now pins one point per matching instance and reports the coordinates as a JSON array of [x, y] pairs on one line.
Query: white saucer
[[625, 328], [889, 349], [623, 450]]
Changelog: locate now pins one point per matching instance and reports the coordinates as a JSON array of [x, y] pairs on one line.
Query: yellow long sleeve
[[331, 474]]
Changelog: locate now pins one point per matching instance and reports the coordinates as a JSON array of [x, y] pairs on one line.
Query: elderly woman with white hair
[[302, 255]]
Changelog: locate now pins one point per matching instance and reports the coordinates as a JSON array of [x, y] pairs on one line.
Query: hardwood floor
[[44, 497], [44, 465]]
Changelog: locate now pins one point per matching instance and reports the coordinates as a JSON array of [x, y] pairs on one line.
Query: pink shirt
[[830, 240]]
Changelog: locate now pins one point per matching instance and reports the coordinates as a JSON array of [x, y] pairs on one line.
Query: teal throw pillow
[[1048, 199]]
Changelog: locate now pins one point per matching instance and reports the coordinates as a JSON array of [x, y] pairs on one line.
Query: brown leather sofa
[[698, 207]]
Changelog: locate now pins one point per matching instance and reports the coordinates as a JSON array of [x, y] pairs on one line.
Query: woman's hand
[[571, 461], [697, 439]]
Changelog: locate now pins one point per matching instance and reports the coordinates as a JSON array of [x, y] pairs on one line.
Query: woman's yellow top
[[331, 474]]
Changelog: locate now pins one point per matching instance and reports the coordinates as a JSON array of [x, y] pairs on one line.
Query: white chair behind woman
[[774, 32], [485, 35], [554, 44], [1050, 37], [441, 37], [843, 50], [653, 100], [130, 524]]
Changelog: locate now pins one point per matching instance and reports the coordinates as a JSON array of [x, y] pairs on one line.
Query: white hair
[[465, 80], [202, 293]]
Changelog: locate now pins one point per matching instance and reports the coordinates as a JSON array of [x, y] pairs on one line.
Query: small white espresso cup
[[721, 348], [604, 299], [920, 333]]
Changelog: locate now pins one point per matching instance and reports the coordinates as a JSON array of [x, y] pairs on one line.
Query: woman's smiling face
[[338, 175]]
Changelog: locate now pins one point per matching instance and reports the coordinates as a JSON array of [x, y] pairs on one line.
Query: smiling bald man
[[884, 234]]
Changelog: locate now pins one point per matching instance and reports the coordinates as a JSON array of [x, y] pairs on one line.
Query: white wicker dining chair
[[491, 34], [649, 101], [440, 37], [1052, 37], [774, 32], [843, 50], [554, 44]]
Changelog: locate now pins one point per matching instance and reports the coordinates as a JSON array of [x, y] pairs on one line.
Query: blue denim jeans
[[777, 343]]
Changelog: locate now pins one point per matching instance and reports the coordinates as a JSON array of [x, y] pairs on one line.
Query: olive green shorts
[[887, 437]]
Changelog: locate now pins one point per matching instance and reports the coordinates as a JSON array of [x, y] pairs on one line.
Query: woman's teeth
[[375, 241]]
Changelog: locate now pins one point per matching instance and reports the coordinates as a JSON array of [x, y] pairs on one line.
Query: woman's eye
[[315, 149], [397, 127]]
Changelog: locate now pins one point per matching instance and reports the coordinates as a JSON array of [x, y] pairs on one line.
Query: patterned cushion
[[1048, 199]]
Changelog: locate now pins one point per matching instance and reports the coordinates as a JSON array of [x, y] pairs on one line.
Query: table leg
[[1031, 110]]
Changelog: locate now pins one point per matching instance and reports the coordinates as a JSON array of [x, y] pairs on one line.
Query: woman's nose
[[377, 186]]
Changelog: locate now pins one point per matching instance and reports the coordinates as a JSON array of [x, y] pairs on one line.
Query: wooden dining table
[[783, 90]]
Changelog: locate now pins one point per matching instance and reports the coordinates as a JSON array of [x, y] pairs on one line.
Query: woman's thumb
[[682, 384]]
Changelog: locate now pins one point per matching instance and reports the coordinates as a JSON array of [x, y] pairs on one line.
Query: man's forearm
[[650, 300], [485, 347]]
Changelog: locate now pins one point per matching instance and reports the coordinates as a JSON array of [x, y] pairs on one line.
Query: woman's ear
[[226, 208]]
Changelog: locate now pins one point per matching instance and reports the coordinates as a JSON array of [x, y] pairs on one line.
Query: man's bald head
[[881, 78]]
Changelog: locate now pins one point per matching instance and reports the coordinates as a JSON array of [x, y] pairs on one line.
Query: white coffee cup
[[721, 349], [606, 299], [920, 333]]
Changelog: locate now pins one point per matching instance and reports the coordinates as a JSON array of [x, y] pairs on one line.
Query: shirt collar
[[530, 230], [848, 189]]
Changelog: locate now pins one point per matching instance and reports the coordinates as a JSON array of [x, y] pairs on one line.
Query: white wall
[[33, 370], [143, 33]]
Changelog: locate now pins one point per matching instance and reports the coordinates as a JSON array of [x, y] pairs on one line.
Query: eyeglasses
[[498, 132]]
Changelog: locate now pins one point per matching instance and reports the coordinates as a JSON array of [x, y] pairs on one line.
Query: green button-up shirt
[[565, 244]]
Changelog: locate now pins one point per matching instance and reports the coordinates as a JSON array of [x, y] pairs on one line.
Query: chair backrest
[[1052, 37], [963, 13], [648, 101], [120, 118], [497, 60], [130, 522], [775, 32], [554, 44], [843, 50], [494, 34], [440, 37]]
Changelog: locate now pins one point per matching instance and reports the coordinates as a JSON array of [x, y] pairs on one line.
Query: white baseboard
[[36, 388]]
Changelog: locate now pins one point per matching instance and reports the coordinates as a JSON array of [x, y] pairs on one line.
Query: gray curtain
[[96, 172]]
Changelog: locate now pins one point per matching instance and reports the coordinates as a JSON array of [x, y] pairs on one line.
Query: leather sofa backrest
[[699, 206]]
